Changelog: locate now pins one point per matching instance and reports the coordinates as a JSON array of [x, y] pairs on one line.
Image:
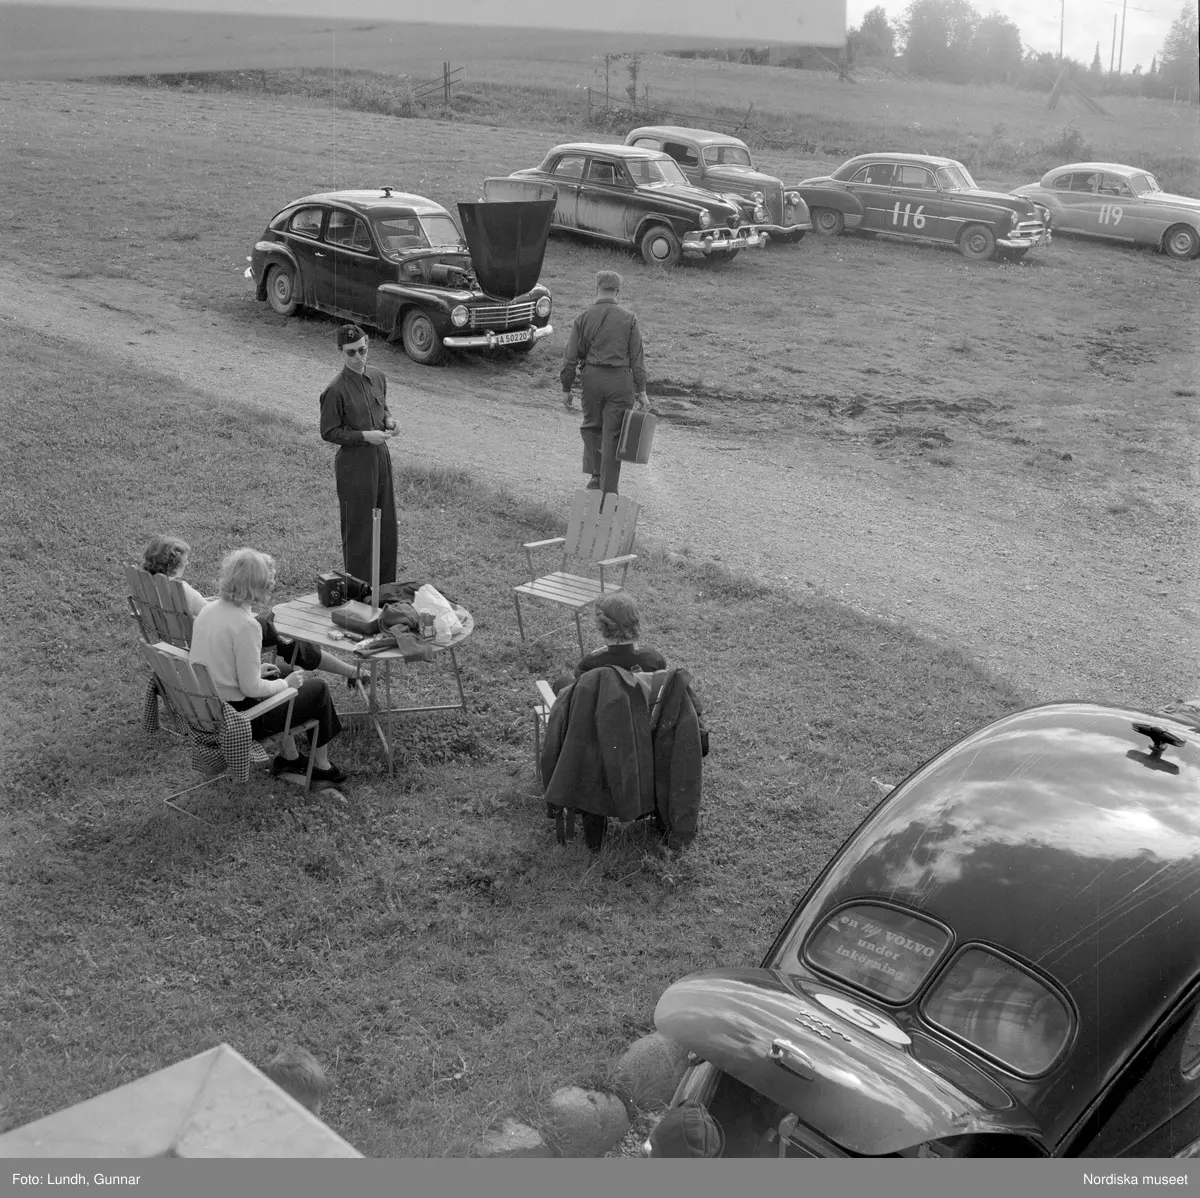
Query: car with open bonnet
[[723, 163], [626, 195], [399, 263], [1118, 203], [928, 198], [1002, 960]]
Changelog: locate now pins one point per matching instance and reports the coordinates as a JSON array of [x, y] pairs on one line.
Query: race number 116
[[900, 217]]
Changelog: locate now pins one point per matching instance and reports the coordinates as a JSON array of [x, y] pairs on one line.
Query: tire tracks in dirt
[[1057, 608]]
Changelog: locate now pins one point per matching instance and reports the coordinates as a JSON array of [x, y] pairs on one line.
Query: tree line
[[951, 40]]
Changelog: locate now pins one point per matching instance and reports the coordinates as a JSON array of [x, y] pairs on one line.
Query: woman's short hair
[[298, 1072], [617, 617], [246, 576], [164, 555]]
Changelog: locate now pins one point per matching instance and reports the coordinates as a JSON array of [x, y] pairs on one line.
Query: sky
[[1084, 22]]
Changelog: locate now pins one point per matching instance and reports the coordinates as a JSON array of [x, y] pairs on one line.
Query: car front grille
[[1028, 228], [499, 317], [773, 202]]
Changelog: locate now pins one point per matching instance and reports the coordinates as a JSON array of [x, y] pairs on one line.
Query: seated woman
[[228, 639], [619, 624], [169, 556]]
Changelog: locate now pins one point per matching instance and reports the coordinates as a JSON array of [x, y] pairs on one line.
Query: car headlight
[[459, 317], [793, 198], [757, 197], [705, 218], [1014, 217], [542, 307], [760, 213]]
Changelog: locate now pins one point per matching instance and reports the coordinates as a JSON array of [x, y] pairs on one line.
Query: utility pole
[[1121, 56], [1113, 55], [1062, 24]]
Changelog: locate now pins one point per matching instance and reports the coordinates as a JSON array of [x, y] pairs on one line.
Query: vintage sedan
[[1118, 203], [640, 198], [933, 199], [722, 163], [1003, 960], [399, 263]]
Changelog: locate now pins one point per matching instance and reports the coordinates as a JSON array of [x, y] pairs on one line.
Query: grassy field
[[905, 349], [427, 939], [1000, 133]]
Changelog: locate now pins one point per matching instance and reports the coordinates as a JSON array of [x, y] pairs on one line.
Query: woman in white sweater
[[227, 639], [169, 556]]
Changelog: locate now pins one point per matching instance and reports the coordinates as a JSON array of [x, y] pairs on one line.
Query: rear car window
[[1000, 1009], [881, 950]]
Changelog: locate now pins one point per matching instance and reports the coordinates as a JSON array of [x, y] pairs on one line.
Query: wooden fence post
[[446, 83]]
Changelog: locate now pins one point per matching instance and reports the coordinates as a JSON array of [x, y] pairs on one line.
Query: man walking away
[[355, 418], [606, 346]]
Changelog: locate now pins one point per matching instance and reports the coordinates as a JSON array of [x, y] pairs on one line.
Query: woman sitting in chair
[[169, 556], [228, 640], [620, 624]]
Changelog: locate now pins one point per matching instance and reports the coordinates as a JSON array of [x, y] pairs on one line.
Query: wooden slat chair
[[541, 714], [600, 532], [160, 608], [190, 689]]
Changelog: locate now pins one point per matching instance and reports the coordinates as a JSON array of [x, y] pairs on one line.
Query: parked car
[[399, 263], [722, 163], [640, 198], [1003, 960], [1119, 203], [934, 199]]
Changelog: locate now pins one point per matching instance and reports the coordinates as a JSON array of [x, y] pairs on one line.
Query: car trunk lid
[[843, 1067]]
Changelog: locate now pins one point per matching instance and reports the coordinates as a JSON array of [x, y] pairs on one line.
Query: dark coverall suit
[[351, 403], [607, 343]]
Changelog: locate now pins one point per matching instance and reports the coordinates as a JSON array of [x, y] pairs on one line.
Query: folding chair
[[600, 532], [189, 689]]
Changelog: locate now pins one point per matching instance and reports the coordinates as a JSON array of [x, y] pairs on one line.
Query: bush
[[1067, 146]]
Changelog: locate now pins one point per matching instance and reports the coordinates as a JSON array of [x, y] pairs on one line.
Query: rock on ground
[[585, 1122], [649, 1070], [512, 1139]]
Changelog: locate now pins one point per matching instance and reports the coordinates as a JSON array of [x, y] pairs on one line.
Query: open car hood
[[507, 232], [807, 1047]]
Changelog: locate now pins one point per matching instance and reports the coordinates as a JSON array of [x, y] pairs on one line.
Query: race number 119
[[901, 217], [1110, 214]]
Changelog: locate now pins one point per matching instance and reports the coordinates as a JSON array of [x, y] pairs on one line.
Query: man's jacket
[[627, 745]]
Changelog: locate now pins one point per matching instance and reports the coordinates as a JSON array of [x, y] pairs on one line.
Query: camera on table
[[331, 590]]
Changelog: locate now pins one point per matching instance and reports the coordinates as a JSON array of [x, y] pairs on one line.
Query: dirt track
[[1055, 606]]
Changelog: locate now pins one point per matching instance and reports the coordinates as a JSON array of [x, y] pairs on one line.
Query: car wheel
[[281, 290], [978, 243], [421, 341], [660, 246], [1181, 241], [828, 221]]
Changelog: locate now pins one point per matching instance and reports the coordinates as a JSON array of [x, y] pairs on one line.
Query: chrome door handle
[[317, 254]]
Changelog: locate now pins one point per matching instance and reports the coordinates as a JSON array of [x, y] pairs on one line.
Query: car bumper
[[491, 340], [804, 226], [1024, 243], [747, 237]]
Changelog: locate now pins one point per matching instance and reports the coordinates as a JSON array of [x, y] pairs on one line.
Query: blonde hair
[[608, 280], [617, 617], [298, 1072], [165, 555], [246, 576]]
